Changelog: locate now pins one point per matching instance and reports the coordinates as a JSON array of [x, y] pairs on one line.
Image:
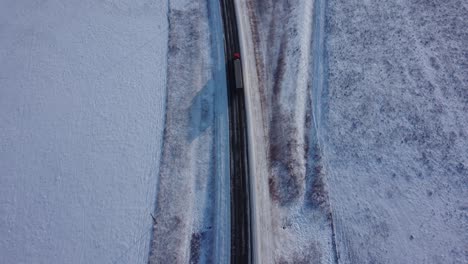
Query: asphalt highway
[[241, 239]]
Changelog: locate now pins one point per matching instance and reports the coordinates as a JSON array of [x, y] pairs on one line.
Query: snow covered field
[[367, 114], [82, 94], [397, 130]]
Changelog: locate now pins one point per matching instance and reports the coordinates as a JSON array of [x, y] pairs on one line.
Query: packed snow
[[82, 99]]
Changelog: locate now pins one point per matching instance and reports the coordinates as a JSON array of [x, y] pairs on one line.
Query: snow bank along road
[[291, 221], [192, 206]]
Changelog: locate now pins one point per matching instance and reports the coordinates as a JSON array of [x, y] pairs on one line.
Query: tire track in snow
[[319, 89]]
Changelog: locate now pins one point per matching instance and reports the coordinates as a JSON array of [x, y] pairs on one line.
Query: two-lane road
[[241, 245]]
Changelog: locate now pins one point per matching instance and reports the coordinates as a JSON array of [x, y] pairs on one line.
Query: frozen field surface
[[82, 94], [366, 109], [397, 130]]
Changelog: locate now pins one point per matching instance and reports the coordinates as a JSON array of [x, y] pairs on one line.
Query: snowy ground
[[358, 130], [397, 130], [192, 210], [82, 94], [366, 108], [300, 220]]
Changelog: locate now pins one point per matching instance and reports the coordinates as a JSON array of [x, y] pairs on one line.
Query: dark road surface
[[239, 164]]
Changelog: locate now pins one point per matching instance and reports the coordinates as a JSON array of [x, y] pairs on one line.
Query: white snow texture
[[373, 167], [82, 94], [358, 130]]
